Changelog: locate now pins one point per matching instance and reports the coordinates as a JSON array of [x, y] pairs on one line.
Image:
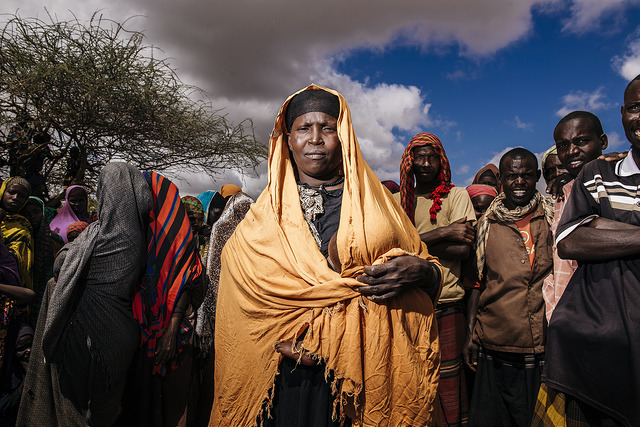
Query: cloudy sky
[[483, 75]]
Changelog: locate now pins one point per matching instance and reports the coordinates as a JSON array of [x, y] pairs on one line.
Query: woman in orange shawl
[[366, 316]]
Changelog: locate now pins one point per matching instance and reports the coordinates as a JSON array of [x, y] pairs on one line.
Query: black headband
[[311, 101]]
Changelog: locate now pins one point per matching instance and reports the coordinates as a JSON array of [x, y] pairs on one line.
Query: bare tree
[[97, 86]]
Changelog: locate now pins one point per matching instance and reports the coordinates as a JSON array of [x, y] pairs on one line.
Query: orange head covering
[[407, 196], [275, 284], [229, 190], [489, 168]]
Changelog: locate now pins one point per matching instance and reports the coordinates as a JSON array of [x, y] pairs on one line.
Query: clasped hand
[[388, 280]]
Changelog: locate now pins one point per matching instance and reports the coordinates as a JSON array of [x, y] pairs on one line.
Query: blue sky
[[483, 75], [515, 96]]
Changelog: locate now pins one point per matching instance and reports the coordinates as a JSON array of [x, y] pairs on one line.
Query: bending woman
[[86, 334], [365, 318]]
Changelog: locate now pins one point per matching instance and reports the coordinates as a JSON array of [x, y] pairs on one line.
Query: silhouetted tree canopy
[[98, 87]]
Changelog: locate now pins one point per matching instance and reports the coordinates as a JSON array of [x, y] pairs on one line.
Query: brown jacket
[[511, 308]]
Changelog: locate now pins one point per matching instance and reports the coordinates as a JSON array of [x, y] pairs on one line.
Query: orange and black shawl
[[173, 264]]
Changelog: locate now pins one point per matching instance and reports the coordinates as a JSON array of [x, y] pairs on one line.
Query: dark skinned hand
[[555, 186], [613, 156], [388, 280], [167, 346], [205, 230], [460, 231], [286, 349], [470, 353]]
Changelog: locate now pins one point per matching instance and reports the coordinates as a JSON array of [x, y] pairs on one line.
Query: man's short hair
[[636, 78], [518, 153], [583, 115]]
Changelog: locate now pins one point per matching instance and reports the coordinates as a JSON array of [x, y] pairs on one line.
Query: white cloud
[[376, 112], [581, 100], [522, 125], [586, 14], [462, 170], [249, 56], [617, 142], [497, 156], [628, 65], [261, 50]]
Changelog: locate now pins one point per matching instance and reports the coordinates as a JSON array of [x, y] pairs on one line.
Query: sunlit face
[[426, 165], [481, 204], [518, 177], [578, 143], [631, 114], [14, 198], [316, 148], [78, 201]]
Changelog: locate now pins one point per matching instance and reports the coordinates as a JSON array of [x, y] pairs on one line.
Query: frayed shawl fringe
[[339, 402], [267, 402]]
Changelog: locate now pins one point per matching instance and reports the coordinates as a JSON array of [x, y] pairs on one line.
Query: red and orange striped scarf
[[407, 179], [173, 264]]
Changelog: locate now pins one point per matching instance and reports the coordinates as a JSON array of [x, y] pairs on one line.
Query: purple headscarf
[[67, 216]]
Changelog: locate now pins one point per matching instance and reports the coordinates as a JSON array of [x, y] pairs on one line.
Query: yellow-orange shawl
[[16, 231], [275, 283]]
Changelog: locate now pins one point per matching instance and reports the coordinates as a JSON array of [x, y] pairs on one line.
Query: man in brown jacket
[[514, 254]]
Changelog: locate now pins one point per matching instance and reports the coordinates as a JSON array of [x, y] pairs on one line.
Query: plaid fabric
[[554, 408], [550, 408], [452, 387], [556, 283], [407, 179]]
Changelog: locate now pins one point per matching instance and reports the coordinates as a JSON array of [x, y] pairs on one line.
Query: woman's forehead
[[16, 186]]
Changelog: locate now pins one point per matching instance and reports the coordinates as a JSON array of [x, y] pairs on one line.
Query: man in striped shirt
[[592, 374]]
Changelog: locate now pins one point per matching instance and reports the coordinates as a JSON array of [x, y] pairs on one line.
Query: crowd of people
[[334, 299]]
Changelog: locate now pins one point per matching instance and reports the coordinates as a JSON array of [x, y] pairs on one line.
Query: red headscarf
[[391, 186], [476, 190], [407, 179]]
